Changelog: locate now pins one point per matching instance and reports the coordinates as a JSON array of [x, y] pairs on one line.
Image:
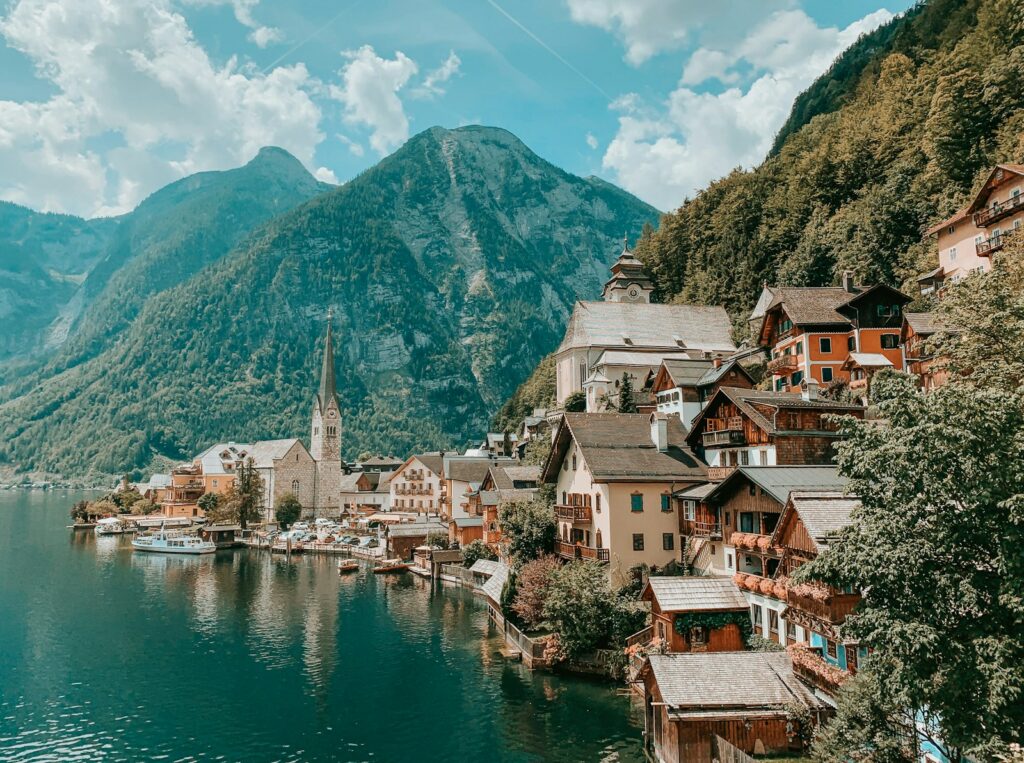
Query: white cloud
[[369, 90], [130, 70], [325, 175], [432, 84], [261, 36], [591, 140], [648, 27], [356, 149], [668, 153]]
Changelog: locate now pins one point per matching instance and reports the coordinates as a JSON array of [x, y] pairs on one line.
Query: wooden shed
[[697, 614]]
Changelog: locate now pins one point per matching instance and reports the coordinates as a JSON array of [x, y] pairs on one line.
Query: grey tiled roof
[[925, 324], [780, 481], [823, 513], [813, 305], [484, 566], [416, 529], [697, 492], [728, 680], [870, 360], [648, 325], [469, 521], [467, 471], [688, 373], [265, 452], [492, 588], [695, 594], [505, 477]]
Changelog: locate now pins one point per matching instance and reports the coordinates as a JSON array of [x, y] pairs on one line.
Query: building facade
[[416, 484]]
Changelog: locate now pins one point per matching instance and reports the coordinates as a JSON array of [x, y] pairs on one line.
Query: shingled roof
[[617, 447], [713, 682], [823, 512], [780, 481], [694, 594], [640, 325], [505, 477]]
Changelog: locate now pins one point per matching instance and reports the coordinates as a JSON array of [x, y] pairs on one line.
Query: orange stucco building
[[811, 331]]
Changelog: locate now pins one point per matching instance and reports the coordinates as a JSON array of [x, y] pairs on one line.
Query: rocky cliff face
[[451, 268]]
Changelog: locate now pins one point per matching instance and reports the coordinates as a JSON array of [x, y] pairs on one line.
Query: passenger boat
[[350, 565], [110, 526], [389, 565], [165, 543]]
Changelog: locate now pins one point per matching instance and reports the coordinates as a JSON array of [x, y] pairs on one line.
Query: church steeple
[[327, 390], [629, 281]]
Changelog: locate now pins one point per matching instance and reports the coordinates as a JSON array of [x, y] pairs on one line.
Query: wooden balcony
[[813, 670], [575, 551], [696, 529], [834, 610], [998, 211], [724, 431], [719, 473], [569, 513], [858, 385], [993, 244], [782, 365]]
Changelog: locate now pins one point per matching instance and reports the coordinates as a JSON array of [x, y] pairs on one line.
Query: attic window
[[626, 339], [678, 340]]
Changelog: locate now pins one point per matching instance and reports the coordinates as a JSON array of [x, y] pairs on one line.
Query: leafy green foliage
[[576, 402], [436, 327], [712, 621], [437, 539], [532, 584], [243, 501], [894, 139], [209, 503], [287, 510], [528, 530], [476, 550]]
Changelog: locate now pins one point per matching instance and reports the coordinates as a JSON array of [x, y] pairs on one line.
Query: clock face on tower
[[633, 292], [330, 414]]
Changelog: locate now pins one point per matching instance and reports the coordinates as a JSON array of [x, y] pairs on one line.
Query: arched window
[[598, 541], [563, 498], [597, 501], [574, 462], [295, 487]]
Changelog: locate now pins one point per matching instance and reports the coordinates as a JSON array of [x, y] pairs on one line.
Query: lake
[[110, 654]]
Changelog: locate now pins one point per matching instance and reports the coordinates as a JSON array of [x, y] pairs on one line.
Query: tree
[[209, 503], [537, 450], [506, 444], [627, 403], [244, 499], [104, 508], [143, 507], [936, 545], [475, 550], [287, 510], [80, 511], [575, 403], [528, 530], [580, 607], [533, 583], [436, 539]]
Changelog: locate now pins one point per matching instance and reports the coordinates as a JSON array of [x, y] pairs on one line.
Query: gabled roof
[[979, 198], [492, 588], [722, 681], [779, 481], [617, 447], [823, 514], [432, 461], [484, 566], [694, 594], [868, 360], [466, 470], [746, 399], [461, 522], [505, 477], [812, 305], [651, 326], [926, 324], [501, 497], [684, 372], [265, 452], [712, 375]]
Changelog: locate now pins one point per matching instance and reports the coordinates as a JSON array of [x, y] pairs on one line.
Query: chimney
[[810, 390], [717, 362], [659, 431], [848, 281]]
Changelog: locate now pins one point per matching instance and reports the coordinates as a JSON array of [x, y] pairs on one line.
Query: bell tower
[[325, 436], [629, 281]]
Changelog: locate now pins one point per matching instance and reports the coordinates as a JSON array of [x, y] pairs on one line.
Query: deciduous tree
[[528, 530], [287, 510], [534, 581]]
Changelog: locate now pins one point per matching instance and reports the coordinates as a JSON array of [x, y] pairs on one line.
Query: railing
[[993, 244], [782, 365], [725, 424], [641, 637], [998, 211], [576, 551], [533, 647], [811, 668], [835, 610], [719, 473], [697, 529], [755, 542], [859, 384], [724, 437], [570, 513]]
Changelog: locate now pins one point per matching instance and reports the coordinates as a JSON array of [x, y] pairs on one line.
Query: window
[[890, 341], [690, 510], [744, 458], [636, 502], [881, 310], [951, 229], [215, 483], [826, 374], [597, 502], [728, 561], [851, 343], [638, 541], [830, 648], [796, 378], [773, 621], [790, 630], [574, 462], [952, 253], [746, 522], [666, 502], [780, 385], [799, 348], [668, 541], [825, 345], [698, 635], [755, 615], [564, 502], [785, 325], [295, 487]]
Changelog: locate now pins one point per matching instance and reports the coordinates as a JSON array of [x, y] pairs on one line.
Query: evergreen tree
[[287, 510], [627, 403]]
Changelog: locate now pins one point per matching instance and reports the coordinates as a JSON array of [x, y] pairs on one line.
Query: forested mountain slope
[[919, 111], [451, 268]]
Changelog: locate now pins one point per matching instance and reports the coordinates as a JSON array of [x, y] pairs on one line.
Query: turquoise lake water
[[108, 654]]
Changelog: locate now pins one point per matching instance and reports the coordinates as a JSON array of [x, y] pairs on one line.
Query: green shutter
[[637, 502]]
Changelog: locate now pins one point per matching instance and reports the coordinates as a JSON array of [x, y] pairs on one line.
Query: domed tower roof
[[629, 281]]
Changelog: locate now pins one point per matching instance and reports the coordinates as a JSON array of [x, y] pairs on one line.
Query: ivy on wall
[[711, 621]]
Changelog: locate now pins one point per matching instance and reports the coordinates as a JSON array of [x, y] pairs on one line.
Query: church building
[[325, 437], [600, 333]]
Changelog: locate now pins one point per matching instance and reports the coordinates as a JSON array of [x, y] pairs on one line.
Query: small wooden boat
[[390, 565], [350, 565]]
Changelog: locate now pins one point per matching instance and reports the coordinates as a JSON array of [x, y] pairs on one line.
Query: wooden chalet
[[708, 601], [860, 367], [682, 386], [741, 427], [919, 357], [739, 696]]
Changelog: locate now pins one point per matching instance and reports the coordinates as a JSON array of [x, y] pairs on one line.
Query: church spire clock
[[629, 281]]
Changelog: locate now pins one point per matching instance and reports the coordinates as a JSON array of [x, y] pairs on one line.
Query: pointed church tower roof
[[327, 391], [629, 281]]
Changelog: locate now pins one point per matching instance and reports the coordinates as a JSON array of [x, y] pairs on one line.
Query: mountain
[[120, 262], [451, 268], [894, 138]]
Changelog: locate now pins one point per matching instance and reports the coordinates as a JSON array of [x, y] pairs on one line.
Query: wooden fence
[[723, 751]]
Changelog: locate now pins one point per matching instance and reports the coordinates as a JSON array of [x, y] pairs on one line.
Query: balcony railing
[[575, 551], [856, 385], [993, 244], [719, 473], [999, 211], [697, 529], [812, 669], [723, 437], [782, 365], [573, 513]]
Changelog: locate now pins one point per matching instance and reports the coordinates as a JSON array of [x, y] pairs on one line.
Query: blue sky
[[104, 101]]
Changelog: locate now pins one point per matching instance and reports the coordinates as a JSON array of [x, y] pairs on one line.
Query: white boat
[[110, 526], [165, 543]]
